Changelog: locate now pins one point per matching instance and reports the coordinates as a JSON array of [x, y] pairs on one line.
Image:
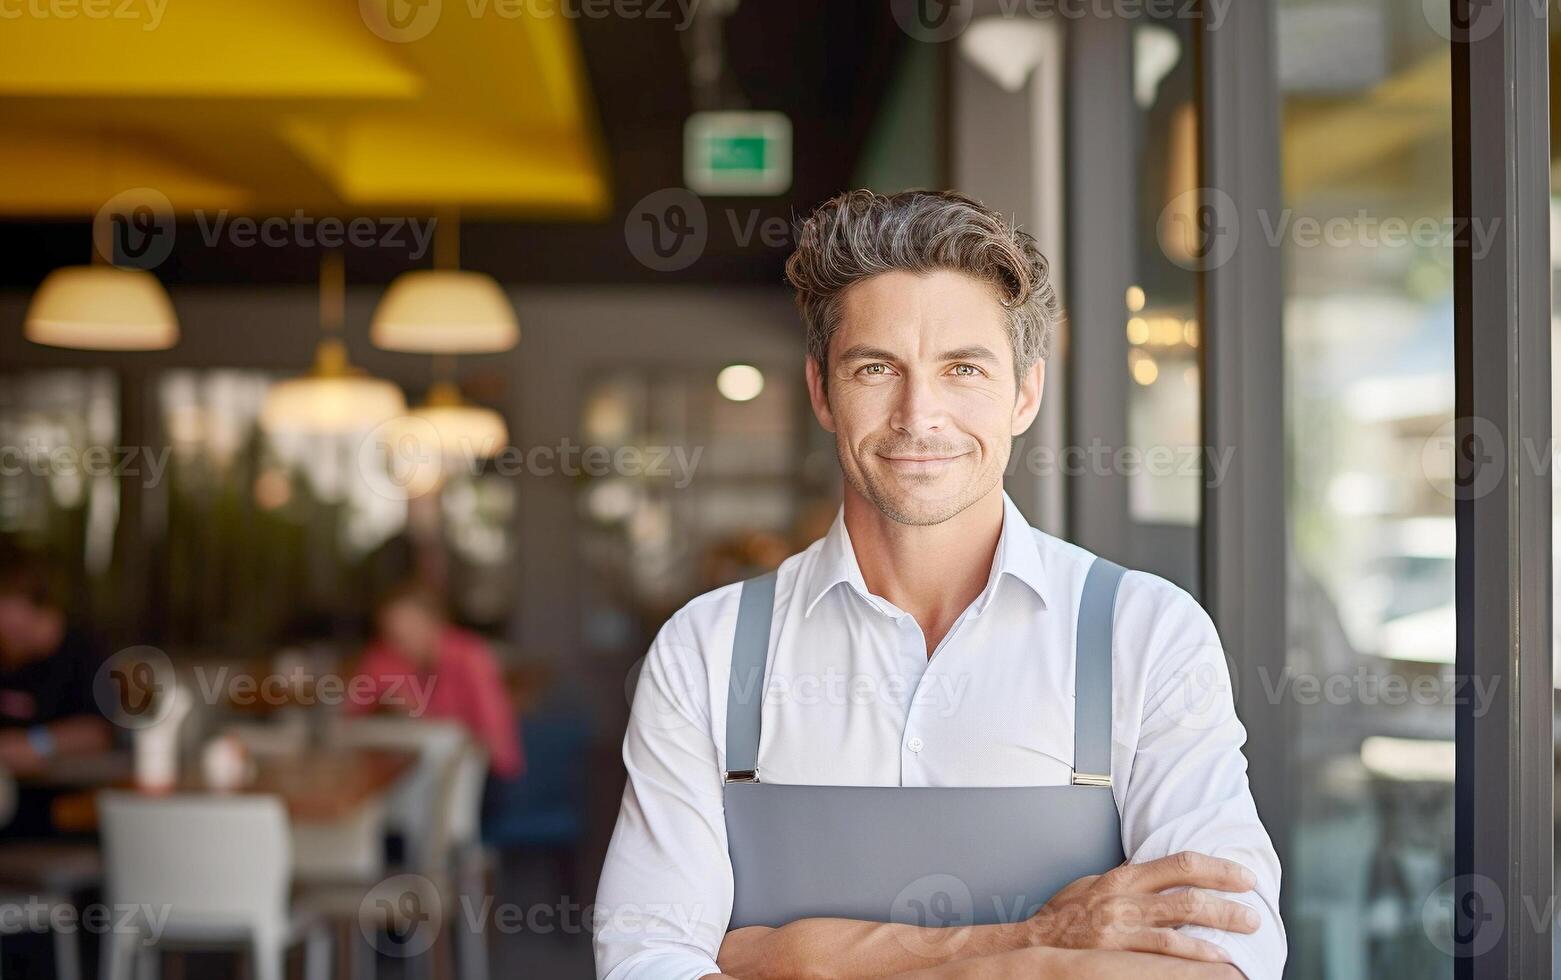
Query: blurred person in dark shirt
[[46, 671]]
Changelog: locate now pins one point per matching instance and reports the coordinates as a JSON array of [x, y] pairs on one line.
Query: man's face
[[921, 393]]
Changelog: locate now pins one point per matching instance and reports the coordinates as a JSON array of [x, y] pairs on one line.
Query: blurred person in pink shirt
[[421, 664]]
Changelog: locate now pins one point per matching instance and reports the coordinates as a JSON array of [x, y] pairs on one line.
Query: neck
[[932, 572]]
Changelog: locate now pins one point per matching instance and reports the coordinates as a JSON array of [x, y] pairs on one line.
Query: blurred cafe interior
[[339, 338]]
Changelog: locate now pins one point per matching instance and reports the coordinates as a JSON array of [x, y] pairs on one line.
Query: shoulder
[[702, 630], [712, 616], [1156, 621]]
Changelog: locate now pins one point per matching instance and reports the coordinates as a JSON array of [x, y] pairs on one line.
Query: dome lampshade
[[102, 307], [465, 430], [445, 311], [333, 397]]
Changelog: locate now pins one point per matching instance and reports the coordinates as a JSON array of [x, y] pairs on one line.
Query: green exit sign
[[737, 153]]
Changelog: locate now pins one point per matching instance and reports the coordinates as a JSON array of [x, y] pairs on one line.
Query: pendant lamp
[[334, 396], [466, 431], [444, 310], [101, 307]]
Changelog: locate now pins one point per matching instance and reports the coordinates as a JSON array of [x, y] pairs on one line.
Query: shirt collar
[[1018, 554]]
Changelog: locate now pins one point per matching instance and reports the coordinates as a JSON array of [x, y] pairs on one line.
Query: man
[[46, 673], [964, 637]]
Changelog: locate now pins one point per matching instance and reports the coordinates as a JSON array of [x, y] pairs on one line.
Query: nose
[[919, 409]]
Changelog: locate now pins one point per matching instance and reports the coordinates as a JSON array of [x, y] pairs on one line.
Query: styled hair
[[859, 234]]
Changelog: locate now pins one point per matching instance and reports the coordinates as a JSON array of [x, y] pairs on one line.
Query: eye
[[967, 371], [877, 369]]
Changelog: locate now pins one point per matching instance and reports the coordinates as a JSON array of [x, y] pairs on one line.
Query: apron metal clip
[[742, 776], [1091, 779]]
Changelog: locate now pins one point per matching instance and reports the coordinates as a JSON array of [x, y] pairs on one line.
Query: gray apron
[[925, 855]]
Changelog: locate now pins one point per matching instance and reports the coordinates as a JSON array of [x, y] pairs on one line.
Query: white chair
[[339, 863], [437, 809], [352, 850], [462, 860], [410, 807], [217, 866]]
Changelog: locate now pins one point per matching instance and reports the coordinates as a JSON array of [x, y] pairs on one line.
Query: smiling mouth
[[920, 461]]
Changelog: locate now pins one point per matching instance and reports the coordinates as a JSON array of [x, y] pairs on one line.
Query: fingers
[[1169, 942], [1185, 868], [1194, 907]]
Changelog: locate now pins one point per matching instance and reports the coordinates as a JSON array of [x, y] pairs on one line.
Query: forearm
[[848, 948], [70, 736], [80, 734], [1045, 963]]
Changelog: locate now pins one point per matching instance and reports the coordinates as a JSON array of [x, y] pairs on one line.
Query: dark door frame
[[1502, 896]]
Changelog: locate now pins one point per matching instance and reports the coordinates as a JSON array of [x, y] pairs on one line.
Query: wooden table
[[320, 786]]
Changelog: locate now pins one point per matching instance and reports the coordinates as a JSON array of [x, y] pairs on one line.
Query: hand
[[1124, 909]]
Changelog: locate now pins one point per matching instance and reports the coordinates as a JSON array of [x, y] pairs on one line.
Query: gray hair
[[859, 234]]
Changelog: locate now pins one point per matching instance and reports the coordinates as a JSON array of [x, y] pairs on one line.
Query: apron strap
[[1092, 675], [745, 690]]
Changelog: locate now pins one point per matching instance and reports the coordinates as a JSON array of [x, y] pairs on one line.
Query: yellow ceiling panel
[[50, 173], [216, 48], [404, 160], [303, 104]]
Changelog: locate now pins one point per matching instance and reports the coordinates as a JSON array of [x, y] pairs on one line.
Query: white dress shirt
[[851, 698]]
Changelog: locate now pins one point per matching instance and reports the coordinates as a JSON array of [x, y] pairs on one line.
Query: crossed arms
[[1118, 924]]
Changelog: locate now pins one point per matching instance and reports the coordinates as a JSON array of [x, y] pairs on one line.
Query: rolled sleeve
[[665, 897]]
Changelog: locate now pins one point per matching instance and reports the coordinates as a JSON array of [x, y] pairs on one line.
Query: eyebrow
[[862, 352], [974, 352]]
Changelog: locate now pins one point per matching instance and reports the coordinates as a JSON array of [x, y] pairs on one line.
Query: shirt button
[[914, 744]]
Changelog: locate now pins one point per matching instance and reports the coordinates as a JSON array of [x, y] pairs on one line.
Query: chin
[[920, 506]]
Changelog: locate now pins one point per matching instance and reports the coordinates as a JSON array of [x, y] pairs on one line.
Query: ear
[[1029, 401], [817, 395]]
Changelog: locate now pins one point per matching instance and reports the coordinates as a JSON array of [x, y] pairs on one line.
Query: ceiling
[[543, 131], [313, 104]]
